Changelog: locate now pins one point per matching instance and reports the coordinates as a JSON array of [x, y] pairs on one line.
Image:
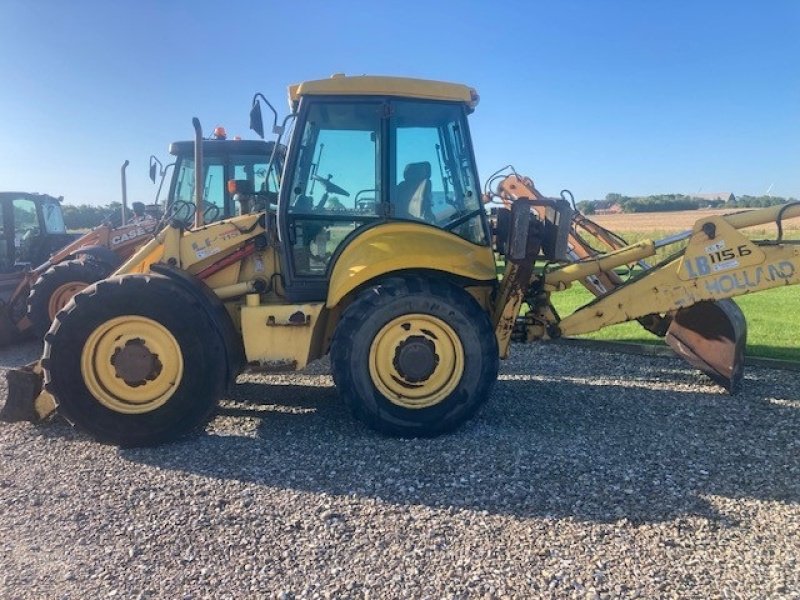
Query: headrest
[[417, 171]]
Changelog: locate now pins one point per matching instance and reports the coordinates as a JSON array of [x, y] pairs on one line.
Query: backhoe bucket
[[711, 336], [25, 400]]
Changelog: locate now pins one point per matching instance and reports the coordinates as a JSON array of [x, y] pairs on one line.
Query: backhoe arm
[[718, 263], [686, 299]]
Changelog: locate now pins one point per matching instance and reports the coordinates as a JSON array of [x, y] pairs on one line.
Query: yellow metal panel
[[195, 249], [151, 252], [372, 85], [397, 247], [281, 337], [202, 247], [728, 249]]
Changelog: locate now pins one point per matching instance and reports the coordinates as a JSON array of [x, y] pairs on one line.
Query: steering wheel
[[182, 211], [330, 187], [211, 213]]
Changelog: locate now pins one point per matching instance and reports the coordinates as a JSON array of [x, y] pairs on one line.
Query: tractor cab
[[244, 161], [361, 157], [31, 228]]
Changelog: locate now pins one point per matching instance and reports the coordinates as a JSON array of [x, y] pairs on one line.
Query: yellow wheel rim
[[62, 295], [132, 364], [416, 361]]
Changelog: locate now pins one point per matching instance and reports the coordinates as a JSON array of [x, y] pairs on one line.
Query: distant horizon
[[689, 195]]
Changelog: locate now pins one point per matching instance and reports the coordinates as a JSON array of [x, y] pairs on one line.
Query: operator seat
[[413, 196]]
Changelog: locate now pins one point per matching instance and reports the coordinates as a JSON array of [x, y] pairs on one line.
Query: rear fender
[[234, 349], [396, 247]]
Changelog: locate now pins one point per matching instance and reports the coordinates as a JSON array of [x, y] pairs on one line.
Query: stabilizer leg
[[25, 400]]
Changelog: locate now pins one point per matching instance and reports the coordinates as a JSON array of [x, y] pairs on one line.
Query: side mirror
[[155, 167], [256, 122]]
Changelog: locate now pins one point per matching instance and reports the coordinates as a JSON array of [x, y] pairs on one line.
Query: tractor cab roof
[[30, 195], [223, 147], [373, 85]]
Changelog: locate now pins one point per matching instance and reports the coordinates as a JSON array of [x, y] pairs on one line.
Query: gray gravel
[[587, 475]]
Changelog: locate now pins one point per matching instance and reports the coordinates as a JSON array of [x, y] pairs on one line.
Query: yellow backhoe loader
[[378, 253], [96, 254]]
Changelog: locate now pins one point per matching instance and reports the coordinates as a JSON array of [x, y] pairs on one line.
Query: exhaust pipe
[[199, 174], [124, 193]]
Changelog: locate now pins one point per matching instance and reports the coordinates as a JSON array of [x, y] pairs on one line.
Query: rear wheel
[[56, 287], [135, 360], [414, 357]]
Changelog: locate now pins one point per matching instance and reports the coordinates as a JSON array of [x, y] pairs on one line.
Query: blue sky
[[632, 97]]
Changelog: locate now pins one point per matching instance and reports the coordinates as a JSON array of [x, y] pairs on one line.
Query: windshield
[[213, 190], [218, 170], [338, 166]]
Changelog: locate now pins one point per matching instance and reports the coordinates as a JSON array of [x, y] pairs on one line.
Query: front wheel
[[135, 361], [414, 357]]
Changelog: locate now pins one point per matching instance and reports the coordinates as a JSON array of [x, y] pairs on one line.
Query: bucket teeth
[[711, 336]]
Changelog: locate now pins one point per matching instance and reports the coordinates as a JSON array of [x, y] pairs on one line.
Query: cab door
[[333, 189]]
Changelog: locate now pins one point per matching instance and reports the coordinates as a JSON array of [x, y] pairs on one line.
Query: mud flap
[[711, 336], [25, 399]]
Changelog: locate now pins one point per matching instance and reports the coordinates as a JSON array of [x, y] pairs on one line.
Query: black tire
[[385, 304], [181, 325], [62, 279]]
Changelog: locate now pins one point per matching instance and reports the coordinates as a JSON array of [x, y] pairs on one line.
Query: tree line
[[673, 202], [85, 216]]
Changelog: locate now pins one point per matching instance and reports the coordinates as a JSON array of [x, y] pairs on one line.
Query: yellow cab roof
[[374, 85]]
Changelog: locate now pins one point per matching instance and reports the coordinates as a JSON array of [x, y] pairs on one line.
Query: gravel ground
[[587, 475]]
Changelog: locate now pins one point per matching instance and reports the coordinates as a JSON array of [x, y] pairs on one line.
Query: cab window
[[263, 185], [53, 218], [26, 223], [433, 175], [213, 187]]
